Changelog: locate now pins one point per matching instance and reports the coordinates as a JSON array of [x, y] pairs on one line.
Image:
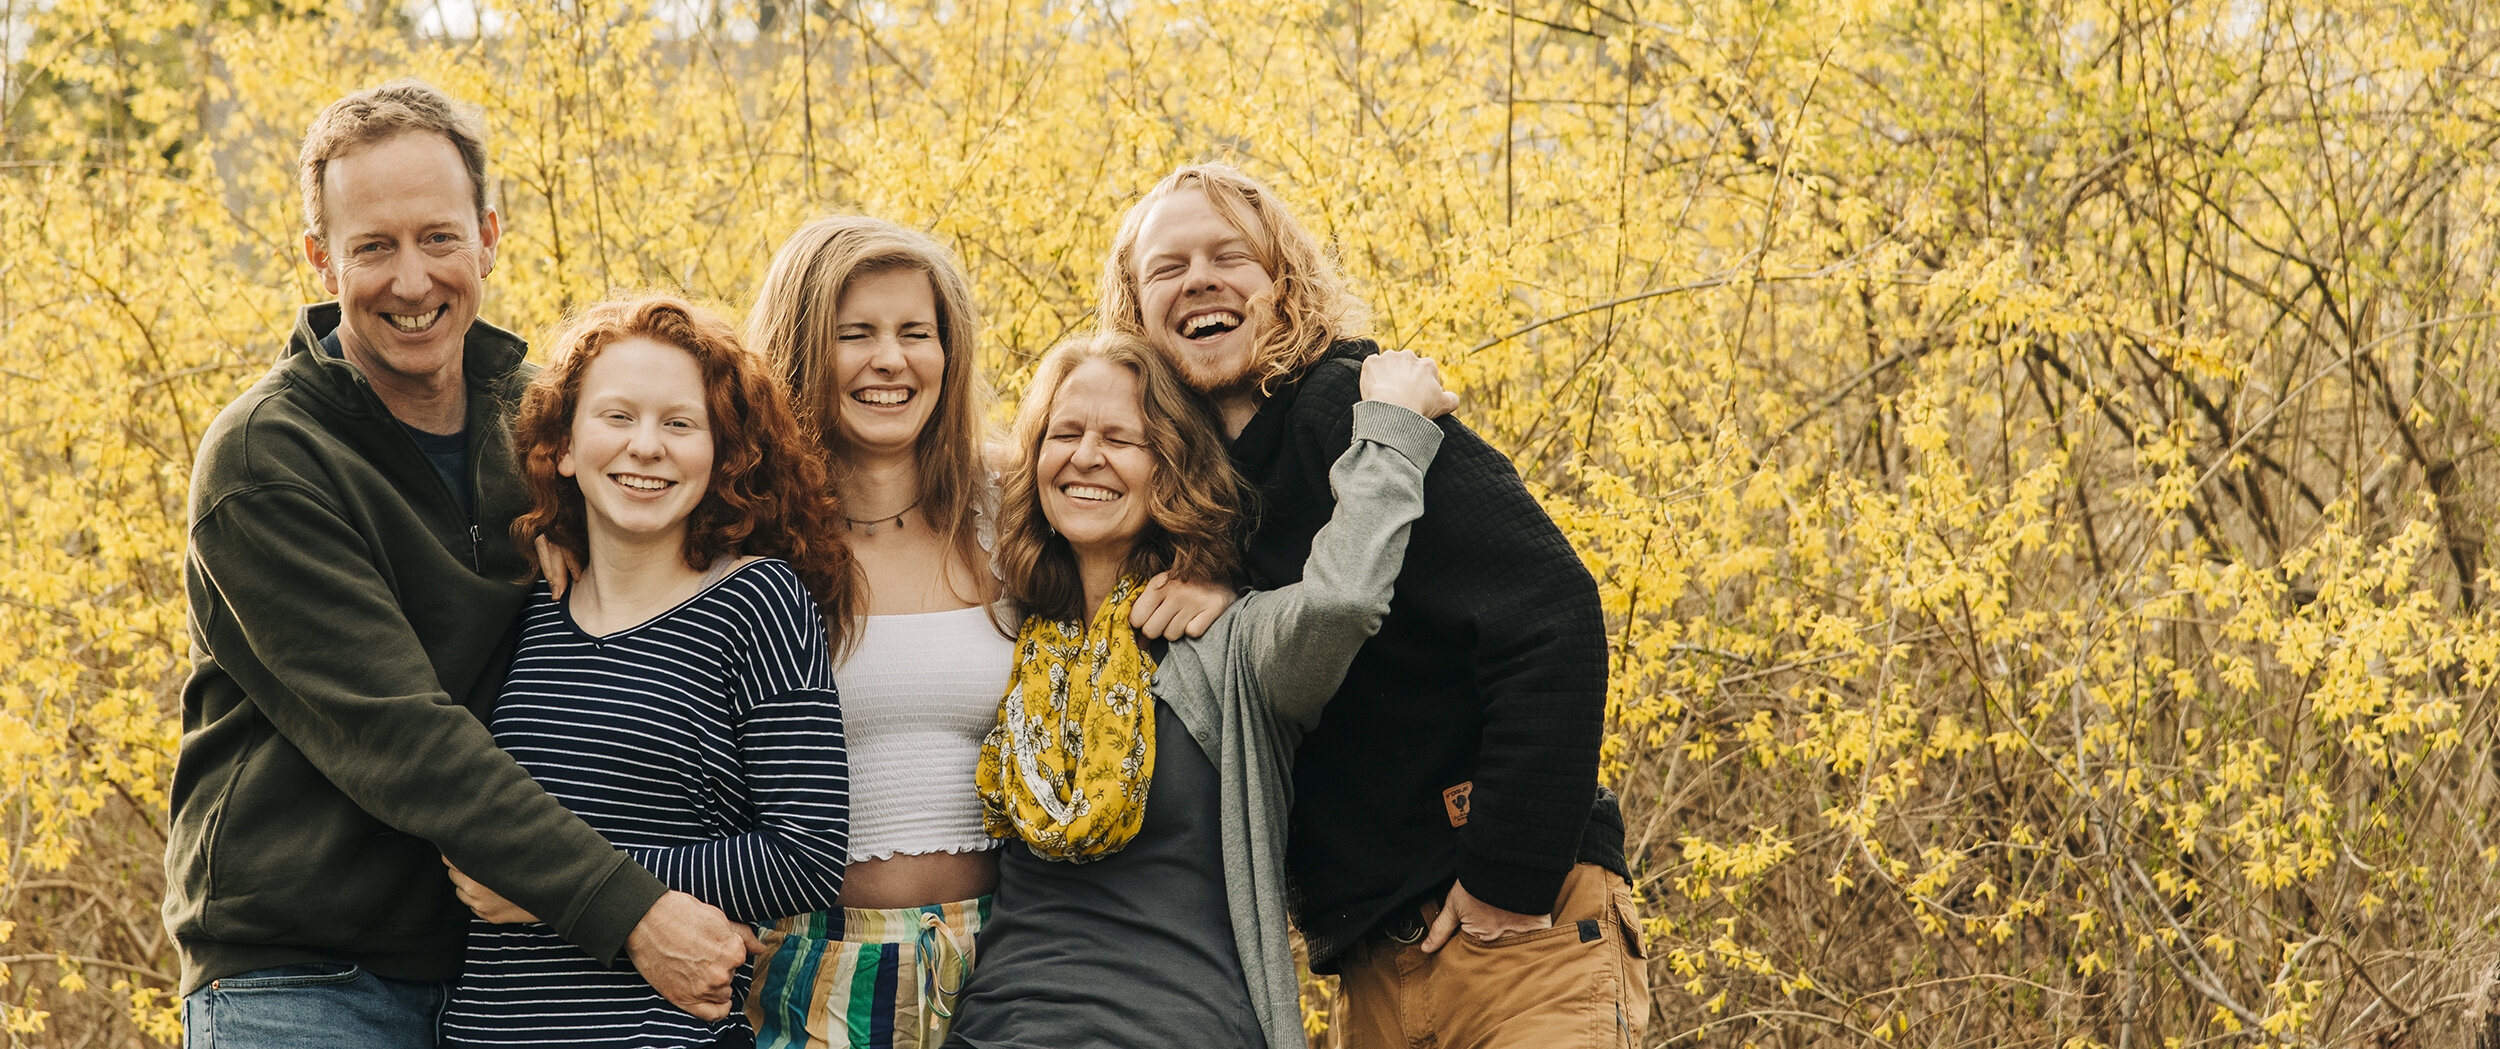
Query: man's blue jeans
[[313, 1006]]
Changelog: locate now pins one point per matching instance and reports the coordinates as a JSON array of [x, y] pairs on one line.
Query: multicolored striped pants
[[864, 979]]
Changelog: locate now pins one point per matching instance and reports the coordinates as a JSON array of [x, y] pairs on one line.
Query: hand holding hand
[[1172, 609], [488, 904], [1400, 377], [1482, 920], [688, 950]]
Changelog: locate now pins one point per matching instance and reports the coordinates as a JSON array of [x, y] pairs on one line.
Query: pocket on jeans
[[308, 974]]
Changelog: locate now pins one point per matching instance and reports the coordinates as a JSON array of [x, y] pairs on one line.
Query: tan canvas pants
[[1580, 983]]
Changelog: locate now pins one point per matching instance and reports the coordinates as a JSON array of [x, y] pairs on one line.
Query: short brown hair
[[1313, 306], [767, 496], [378, 114], [1194, 506]]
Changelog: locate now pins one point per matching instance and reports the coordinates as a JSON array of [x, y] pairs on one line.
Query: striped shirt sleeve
[[791, 756]]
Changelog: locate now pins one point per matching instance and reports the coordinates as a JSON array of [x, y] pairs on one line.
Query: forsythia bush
[[2031, 452]]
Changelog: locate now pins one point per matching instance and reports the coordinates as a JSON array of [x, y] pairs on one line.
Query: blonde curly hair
[[1312, 308]]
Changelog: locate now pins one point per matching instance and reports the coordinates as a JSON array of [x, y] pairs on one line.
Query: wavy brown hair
[[1194, 504], [767, 496], [1312, 308], [794, 325]]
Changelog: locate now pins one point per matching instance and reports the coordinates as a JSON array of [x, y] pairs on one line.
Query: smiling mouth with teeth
[[416, 322], [882, 397], [1087, 491], [1209, 324], [643, 484]]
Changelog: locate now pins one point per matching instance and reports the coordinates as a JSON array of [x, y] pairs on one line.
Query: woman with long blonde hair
[[873, 328]]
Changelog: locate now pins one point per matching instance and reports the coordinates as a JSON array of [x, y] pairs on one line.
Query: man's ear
[[489, 231], [318, 254]]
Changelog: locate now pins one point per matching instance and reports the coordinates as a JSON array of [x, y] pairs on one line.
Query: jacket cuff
[[1511, 886], [610, 911], [1414, 436]]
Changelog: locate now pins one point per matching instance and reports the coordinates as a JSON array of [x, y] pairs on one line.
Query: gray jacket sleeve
[[1299, 639]]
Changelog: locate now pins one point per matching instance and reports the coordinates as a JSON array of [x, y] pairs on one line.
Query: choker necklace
[[873, 522]]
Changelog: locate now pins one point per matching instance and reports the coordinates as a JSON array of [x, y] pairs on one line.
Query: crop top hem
[[984, 845]]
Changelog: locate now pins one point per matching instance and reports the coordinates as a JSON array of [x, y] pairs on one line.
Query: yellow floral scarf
[[1067, 767]]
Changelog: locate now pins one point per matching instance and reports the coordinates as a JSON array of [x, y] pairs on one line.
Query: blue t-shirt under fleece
[[706, 743]]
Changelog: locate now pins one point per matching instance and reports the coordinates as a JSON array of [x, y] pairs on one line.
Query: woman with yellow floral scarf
[[1141, 900]]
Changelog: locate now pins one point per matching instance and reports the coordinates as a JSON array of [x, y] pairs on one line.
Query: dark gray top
[[1133, 949]]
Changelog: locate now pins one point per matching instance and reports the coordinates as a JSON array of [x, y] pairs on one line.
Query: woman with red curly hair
[[679, 697]]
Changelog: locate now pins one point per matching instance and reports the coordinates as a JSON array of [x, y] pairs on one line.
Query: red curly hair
[[768, 495]]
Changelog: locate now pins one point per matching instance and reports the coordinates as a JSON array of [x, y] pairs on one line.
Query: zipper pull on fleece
[[477, 561]]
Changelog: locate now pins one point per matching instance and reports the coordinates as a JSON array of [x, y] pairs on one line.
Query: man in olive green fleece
[[352, 585]]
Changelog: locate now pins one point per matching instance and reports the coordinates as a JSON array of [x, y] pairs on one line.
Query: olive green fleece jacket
[[350, 628]]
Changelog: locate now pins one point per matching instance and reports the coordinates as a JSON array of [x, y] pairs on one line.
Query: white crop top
[[919, 693]]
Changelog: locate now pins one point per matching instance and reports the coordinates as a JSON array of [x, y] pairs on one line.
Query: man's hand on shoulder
[[688, 950], [1484, 921]]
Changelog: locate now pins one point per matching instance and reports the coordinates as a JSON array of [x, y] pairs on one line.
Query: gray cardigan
[[1255, 683]]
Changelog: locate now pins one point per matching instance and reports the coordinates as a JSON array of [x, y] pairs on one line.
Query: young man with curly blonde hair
[[1455, 861]]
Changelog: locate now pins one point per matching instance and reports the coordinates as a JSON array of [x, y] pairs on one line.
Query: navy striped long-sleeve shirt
[[706, 743]]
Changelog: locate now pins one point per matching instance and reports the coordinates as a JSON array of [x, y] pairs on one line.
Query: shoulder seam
[[261, 487]]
